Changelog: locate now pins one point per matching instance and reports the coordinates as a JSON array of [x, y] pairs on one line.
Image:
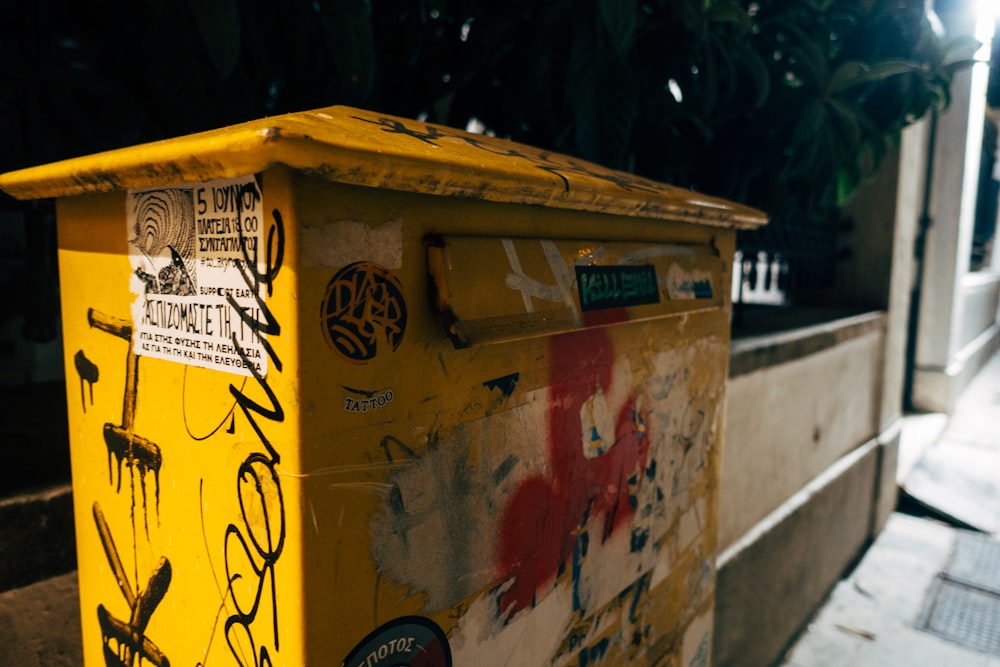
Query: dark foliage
[[784, 104]]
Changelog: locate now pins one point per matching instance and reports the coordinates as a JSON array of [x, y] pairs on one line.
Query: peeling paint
[[596, 496], [343, 242], [689, 283], [696, 648]]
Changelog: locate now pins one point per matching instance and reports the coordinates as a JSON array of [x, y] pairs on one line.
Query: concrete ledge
[[40, 624], [936, 389], [36, 537], [775, 576], [886, 487], [755, 352]]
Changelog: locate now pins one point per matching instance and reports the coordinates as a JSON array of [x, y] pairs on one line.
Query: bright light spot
[[675, 90], [986, 14], [709, 204], [792, 80], [475, 126], [464, 32], [446, 78]]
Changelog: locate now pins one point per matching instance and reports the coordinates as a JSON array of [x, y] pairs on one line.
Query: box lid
[[364, 148]]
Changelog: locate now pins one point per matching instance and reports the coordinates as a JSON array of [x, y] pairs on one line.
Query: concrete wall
[[770, 582], [808, 478], [812, 431], [980, 294], [955, 335], [879, 270], [786, 423]]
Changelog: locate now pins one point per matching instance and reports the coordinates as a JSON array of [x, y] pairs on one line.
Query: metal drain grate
[[963, 603], [976, 561], [965, 615]]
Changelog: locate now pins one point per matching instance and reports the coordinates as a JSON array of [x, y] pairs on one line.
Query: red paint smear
[[544, 515], [605, 316]]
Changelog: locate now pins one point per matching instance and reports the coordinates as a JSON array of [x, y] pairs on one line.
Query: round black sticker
[[363, 303], [408, 641]]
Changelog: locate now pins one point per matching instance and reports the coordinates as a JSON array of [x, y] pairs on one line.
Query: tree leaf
[[728, 11], [753, 64], [810, 123], [348, 28], [619, 18], [960, 48], [603, 96], [850, 126], [805, 50], [847, 75], [218, 23]]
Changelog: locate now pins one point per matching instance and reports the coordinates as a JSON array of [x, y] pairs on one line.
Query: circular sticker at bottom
[[408, 641]]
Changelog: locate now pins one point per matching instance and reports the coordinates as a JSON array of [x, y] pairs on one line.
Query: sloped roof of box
[[369, 149]]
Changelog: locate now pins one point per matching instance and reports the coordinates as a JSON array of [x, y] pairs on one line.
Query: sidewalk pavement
[[927, 593]]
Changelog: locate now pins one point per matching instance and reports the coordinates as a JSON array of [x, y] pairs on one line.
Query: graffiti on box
[[363, 300], [244, 554], [568, 525], [592, 496], [558, 515], [125, 642], [562, 166], [140, 455], [253, 546], [551, 516]]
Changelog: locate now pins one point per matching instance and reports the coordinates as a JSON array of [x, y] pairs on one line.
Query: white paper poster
[[195, 268]]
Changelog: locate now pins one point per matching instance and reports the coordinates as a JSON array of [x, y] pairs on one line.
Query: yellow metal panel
[[181, 508], [488, 296], [281, 456], [364, 148]]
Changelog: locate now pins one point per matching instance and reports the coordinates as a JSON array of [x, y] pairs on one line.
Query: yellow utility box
[[347, 389]]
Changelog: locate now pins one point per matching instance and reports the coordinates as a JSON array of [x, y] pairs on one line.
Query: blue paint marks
[[701, 657], [579, 554], [638, 423], [639, 539], [640, 586], [595, 653], [505, 384]]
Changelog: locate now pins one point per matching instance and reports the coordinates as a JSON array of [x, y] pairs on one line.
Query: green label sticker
[[603, 287]]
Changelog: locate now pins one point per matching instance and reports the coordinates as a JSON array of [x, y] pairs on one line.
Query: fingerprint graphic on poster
[[194, 257]]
